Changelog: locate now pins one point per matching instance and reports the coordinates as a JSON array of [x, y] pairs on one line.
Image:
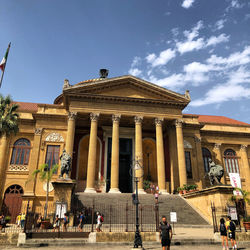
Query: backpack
[[232, 226], [223, 228], [101, 218]]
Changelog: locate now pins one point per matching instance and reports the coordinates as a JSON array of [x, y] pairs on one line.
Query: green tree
[[45, 174], [8, 116]]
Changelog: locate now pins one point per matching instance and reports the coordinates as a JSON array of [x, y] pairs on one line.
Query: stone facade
[[87, 115]]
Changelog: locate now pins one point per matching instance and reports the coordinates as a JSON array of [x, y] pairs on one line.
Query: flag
[[4, 60]]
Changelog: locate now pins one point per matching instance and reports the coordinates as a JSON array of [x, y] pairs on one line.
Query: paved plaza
[[146, 246]]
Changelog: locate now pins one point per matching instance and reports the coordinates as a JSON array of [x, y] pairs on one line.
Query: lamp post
[[136, 166]]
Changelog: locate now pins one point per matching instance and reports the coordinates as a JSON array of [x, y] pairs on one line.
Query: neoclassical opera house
[[107, 123]]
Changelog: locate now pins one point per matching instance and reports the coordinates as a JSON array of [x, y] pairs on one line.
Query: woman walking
[[223, 233]]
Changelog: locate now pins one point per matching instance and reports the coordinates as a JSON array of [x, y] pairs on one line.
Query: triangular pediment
[[126, 87]]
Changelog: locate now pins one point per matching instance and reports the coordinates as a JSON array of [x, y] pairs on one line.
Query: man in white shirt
[[99, 222]]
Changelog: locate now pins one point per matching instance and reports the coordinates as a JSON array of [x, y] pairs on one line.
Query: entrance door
[[12, 202], [125, 159]]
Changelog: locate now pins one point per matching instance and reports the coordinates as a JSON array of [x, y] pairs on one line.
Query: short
[[81, 225], [98, 226], [223, 233], [231, 235], [165, 242]]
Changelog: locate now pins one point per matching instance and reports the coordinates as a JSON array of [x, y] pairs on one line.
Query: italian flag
[[4, 60]]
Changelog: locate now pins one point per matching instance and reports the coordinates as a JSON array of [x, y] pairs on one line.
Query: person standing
[[65, 222], [99, 221], [18, 220], [231, 227], [81, 221], [22, 220], [156, 195], [165, 233], [56, 224], [223, 233]]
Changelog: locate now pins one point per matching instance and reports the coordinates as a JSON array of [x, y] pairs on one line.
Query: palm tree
[[8, 116], [45, 174]]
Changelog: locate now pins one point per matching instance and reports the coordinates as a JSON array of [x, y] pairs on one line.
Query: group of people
[[57, 223], [155, 191], [20, 220], [99, 221], [227, 231]]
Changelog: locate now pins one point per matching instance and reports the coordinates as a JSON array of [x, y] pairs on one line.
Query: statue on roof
[[65, 164], [66, 84], [215, 173]]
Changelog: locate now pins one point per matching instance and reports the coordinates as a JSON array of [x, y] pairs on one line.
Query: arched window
[[206, 155], [14, 189], [231, 161], [21, 152]]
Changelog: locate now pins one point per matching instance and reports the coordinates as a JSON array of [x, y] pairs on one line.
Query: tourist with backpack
[[65, 222], [99, 221], [81, 221], [165, 233], [223, 233], [231, 228]]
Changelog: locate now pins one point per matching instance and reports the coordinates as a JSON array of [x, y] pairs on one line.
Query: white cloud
[[235, 59], [236, 4], [233, 89], [136, 61], [194, 32], [135, 72], [220, 24], [164, 57], [187, 3], [188, 46], [213, 40], [175, 32]]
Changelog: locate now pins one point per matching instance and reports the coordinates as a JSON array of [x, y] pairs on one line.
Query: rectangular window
[[52, 155], [188, 164]]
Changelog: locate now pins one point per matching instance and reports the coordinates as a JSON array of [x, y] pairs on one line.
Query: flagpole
[[4, 66]]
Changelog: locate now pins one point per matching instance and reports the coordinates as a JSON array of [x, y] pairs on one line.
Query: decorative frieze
[[116, 118], [54, 137], [38, 131], [159, 121], [72, 115], [94, 117], [138, 119], [18, 168]]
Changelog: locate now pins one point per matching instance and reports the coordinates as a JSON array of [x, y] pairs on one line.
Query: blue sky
[[199, 45]]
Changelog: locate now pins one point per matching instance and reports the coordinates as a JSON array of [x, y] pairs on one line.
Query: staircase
[[186, 215]]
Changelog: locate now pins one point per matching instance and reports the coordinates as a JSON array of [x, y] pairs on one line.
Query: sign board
[[233, 213], [173, 217], [61, 209], [235, 182]]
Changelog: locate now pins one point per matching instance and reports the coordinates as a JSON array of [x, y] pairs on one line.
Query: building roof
[[213, 119], [27, 106]]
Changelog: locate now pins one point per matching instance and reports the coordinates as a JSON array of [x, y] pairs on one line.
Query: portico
[[122, 108]]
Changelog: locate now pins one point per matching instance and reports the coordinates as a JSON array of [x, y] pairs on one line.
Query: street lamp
[[136, 166]]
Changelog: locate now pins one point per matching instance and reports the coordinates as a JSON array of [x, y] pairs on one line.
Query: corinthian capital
[[72, 115], [94, 117], [138, 119], [159, 121], [178, 123], [116, 118], [217, 146], [243, 147]]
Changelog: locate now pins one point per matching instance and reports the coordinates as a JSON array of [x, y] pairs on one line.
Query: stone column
[[219, 160], [3, 153], [90, 187], [200, 165], [180, 153], [70, 133], [115, 155], [161, 175], [34, 161], [245, 165], [138, 151]]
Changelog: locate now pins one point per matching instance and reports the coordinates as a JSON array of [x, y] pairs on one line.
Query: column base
[[141, 191], [89, 190], [114, 191], [163, 191]]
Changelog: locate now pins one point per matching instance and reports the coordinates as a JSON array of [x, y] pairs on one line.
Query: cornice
[[224, 133], [38, 116]]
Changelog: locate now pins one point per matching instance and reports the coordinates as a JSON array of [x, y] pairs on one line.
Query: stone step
[[167, 203]]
